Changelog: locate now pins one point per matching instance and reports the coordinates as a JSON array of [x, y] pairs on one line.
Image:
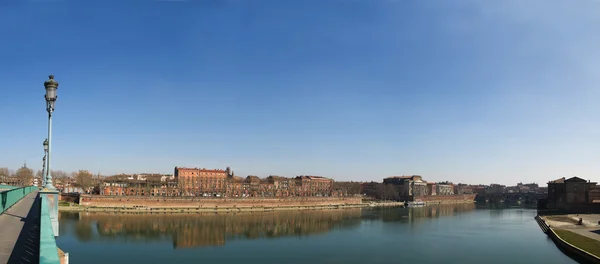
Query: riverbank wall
[[212, 203], [447, 199], [204, 210], [566, 247], [69, 197], [571, 209]]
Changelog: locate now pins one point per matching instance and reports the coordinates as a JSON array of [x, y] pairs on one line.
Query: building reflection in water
[[416, 214], [198, 230]]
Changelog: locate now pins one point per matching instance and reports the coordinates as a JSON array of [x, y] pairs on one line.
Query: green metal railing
[[48, 248], [48, 253], [6, 187], [10, 197]]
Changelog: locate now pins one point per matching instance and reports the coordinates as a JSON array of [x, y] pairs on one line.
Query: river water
[[436, 234]]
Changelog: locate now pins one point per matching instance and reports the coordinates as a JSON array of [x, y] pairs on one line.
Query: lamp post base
[[49, 187], [52, 198]]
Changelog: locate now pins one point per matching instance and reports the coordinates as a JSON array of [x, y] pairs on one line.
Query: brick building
[[410, 187], [139, 185], [575, 191], [314, 185], [432, 188], [201, 182], [217, 183], [495, 188], [462, 188], [445, 188]]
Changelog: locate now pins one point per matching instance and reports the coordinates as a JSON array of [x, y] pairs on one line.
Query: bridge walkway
[[19, 231]]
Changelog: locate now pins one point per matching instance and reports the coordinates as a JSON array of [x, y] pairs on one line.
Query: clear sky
[[466, 91]]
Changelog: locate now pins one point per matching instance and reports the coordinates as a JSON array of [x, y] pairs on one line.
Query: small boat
[[416, 203]]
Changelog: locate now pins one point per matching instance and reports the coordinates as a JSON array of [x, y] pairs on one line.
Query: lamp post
[[44, 162], [51, 86]]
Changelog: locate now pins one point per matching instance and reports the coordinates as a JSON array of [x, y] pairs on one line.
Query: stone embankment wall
[[200, 202], [460, 198], [568, 248], [72, 198]]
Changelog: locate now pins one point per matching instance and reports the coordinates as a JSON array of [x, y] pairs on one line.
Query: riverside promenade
[[576, 235], [589, 228]]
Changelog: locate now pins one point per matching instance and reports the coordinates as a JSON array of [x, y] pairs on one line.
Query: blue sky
[[465, 91]]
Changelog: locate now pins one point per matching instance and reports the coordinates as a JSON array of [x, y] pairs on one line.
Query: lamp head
[[51, 86]]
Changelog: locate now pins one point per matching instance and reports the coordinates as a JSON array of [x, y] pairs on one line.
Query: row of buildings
[[15, 181], [519, 188], [201, 182], [415, 186], [216, 183], [409, 188], [412, 188]]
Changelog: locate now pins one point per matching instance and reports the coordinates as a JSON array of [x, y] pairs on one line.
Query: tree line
[[24, 177], [85, 180], [350, 187], [383, 191], [375, 190]]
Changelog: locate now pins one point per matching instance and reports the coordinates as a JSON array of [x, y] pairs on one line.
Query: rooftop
[[200, 169]]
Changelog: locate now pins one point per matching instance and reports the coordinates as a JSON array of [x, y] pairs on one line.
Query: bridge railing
[[48, 248], [7, 187], [10, 197]]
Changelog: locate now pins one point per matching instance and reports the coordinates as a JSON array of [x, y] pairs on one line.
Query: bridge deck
[[17, 231]]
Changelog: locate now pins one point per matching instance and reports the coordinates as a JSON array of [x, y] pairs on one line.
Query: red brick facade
[[197, 182], [201, 182]]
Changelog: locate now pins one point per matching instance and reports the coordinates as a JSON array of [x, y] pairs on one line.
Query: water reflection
[[416, 214], [194, 230]]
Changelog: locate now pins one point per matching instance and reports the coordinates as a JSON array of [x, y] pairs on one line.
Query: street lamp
[[51, 86], [44, 162]]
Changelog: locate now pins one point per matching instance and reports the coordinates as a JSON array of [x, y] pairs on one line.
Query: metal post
[[49, 191], [51, 85], [48, 184], [44, 170]]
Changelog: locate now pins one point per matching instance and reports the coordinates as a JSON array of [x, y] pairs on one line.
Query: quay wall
[[593, 208], [566, 247], [442, 199], [202, 202], [68, 197]]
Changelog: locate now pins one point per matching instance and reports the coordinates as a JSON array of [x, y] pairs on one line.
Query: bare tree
[[25, 175], [3, 174], [351, 188], [58, 174], [84, 179]]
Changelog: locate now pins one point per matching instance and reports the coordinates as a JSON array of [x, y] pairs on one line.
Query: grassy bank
[[590, 245]]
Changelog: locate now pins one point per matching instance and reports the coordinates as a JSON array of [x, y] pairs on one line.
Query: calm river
[[438, 234]]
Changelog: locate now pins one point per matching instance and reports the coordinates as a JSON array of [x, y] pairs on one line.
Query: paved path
[[18, 226], [586, 231], [590, 227]]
